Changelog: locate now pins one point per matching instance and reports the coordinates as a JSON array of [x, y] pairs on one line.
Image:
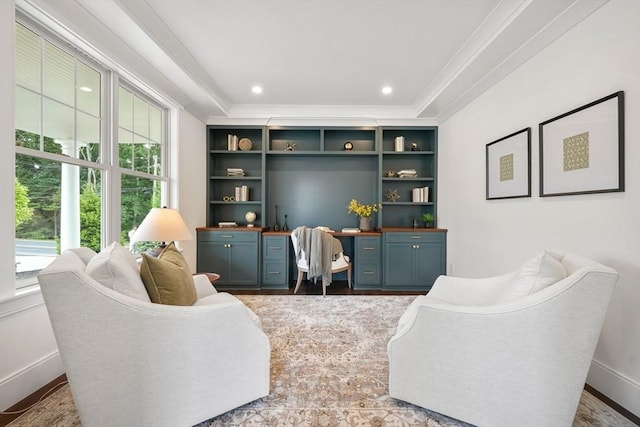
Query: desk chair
[[303, 239]]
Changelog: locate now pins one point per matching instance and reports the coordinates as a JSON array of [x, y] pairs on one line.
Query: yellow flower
[[363, 210]]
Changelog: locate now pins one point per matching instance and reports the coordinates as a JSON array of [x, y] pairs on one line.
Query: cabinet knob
[[416, 246], [227, 245]]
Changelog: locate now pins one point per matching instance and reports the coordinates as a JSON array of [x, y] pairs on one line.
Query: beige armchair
[[131, 362], [512, 350]]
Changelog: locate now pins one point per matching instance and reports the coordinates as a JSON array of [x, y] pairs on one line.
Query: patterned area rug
[[328, 368]]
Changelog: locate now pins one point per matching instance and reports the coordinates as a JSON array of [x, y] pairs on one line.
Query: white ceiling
[[316, 58]]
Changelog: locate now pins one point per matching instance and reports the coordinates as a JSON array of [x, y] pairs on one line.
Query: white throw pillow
[[116, 268], [536, 274]]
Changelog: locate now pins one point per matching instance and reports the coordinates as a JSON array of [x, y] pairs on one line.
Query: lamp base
[[155, 252]]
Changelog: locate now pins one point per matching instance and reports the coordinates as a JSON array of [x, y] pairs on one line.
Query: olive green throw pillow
[[167, 281], [172, 254]]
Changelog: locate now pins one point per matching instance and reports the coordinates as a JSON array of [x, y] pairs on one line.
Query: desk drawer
[[228, 236], [368, 248], [367, 263], [404, 237], [275, 273], [275, 247]]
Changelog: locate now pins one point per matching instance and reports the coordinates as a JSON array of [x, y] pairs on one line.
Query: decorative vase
[[250, 217], [365, 223]]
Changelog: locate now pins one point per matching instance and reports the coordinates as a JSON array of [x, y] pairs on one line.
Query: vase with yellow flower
[[365, 212]]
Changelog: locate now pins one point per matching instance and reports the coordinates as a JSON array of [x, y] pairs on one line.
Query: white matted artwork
[[509, 166], [582, 151]]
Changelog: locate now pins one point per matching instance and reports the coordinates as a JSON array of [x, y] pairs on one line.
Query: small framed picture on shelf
[[508, 164], [582, 151]]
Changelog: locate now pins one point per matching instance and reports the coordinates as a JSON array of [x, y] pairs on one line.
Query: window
[[58, 205], [140, 147], [66, 169]]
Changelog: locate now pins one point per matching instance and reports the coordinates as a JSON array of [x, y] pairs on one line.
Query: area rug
[[328, 368]]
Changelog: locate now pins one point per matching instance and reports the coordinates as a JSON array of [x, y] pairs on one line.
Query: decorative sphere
[[250, 217]]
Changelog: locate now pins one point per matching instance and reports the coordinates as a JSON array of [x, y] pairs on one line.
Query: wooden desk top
[[374, 233]]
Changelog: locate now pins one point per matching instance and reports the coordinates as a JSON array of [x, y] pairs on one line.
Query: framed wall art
[[509, 166], [582, 151]]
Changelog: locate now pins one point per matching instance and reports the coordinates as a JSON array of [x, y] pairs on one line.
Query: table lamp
[[161, 225]]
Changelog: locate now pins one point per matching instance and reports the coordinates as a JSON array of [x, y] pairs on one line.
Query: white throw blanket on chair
[[319, 249]]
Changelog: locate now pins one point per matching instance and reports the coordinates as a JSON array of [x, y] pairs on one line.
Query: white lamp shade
[[162, 225]]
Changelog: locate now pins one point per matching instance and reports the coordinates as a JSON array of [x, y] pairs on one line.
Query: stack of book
[[242, 194], [235, 172], [227, 224], [350, 230], [407, 173], [420, 195]]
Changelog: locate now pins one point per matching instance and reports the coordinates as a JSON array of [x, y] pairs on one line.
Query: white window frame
[[12, 300]]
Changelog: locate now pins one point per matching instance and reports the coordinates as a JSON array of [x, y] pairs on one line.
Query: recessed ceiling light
[[387, 90], [256, 89], [86, 89]]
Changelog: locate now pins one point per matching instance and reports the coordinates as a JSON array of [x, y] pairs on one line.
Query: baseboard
[[29, 379], [615, 386]]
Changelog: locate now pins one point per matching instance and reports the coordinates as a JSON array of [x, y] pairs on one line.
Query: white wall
[[191, 179], [596, 58], [29, 355]]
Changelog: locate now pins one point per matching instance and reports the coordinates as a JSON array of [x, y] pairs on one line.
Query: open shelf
[[313, 181]]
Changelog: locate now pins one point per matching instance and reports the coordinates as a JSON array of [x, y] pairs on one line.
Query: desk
[[390, 258], [363, 248]]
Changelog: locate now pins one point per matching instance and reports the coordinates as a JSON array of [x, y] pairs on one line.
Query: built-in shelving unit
[[311, 177], [422, 159], [221, 189], [307, 176], [304, 169]]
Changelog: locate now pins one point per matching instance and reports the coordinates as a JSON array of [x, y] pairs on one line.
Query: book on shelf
[[420, 194], [242, 193]]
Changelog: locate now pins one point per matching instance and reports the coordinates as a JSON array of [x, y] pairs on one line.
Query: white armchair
[[131, 362], [476, 351]]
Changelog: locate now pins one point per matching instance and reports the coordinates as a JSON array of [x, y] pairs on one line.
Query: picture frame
[[582, 151], [508, 166]]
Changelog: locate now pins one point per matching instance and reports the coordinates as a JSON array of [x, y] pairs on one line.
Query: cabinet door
[[413, 260], [242, 263], [399, 265], [233, 255], [429, 264], [212, 258]]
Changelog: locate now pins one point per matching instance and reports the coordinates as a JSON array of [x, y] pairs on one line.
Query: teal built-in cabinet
[[275, 260], [292, 176], [367, 262], [413, 258], [234, 254]]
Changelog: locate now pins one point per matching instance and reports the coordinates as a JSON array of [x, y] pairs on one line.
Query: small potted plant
[[428, 219]]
